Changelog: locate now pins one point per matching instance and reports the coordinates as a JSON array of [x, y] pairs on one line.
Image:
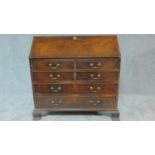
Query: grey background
[[137, 80]]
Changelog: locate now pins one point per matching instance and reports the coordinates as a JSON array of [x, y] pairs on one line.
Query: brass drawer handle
[[56, 102], [56, 77], [95, 102], [95, 78], [54, 66], [95, 90], [95, 66], [56, 89]]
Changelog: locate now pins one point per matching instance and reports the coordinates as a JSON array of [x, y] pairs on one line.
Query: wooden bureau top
[[74, 47]]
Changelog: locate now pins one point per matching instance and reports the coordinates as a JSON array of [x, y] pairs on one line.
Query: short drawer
[[104, 89], [77, 103], [106, 63], [105, 76], [52, 76], [48, 65]]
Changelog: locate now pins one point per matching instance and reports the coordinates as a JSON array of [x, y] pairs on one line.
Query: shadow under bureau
[[75, 74]]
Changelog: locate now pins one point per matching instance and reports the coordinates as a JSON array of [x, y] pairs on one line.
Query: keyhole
[[74, 38]]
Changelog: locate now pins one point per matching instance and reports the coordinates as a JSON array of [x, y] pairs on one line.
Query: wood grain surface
[[75, 74]]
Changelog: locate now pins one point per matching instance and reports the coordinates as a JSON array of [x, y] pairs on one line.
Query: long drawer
[[103, 89], [74, 102]]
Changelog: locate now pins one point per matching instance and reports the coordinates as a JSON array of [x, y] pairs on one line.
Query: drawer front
[[109, 63], [72, 102], [97, 76], [51, 65], [52, 76], [104, 89]]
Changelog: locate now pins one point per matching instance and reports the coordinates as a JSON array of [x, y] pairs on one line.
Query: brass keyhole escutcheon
[[75, 38]]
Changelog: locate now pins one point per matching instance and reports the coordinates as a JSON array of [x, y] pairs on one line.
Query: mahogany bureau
[[75, 74]]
